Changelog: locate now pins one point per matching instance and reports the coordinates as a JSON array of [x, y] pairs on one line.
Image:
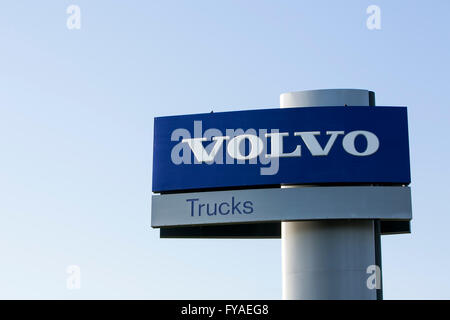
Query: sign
[[281, 204], [338, 145]]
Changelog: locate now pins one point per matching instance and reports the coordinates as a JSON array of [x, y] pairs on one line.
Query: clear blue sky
[[76, 123]]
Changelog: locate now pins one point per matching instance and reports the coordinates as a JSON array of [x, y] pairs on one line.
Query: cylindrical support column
[[328, 259]]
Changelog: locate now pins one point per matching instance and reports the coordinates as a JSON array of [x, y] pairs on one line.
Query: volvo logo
[[236, 146]]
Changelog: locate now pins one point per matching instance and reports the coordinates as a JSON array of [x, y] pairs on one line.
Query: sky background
[[76, 125]]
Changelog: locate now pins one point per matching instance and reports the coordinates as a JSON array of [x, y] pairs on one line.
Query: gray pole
[[329, 259]]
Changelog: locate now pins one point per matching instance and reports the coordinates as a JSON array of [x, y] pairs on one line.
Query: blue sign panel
[[326, 145]]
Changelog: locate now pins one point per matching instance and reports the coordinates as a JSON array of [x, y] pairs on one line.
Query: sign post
[[329, 259]]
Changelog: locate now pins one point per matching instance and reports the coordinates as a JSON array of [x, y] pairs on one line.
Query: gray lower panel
[[272, 205]]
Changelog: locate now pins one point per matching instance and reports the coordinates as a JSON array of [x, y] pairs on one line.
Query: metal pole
[[329, 259]]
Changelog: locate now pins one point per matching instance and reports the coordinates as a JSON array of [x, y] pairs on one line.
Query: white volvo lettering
[[233, 146], [277, 146], [372, 143], [309, 138], [200, 153], [234, 150]]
